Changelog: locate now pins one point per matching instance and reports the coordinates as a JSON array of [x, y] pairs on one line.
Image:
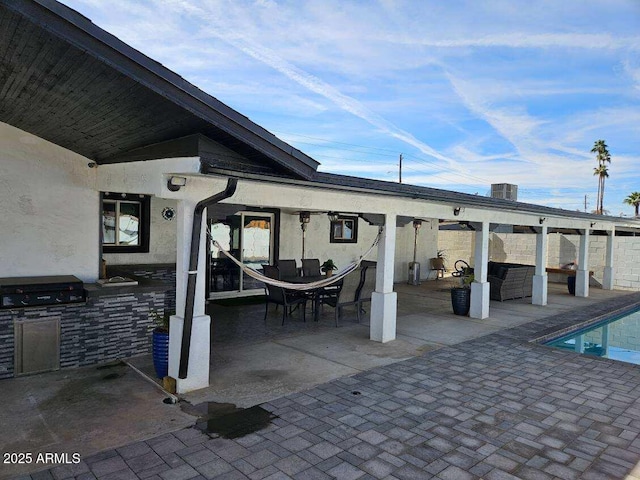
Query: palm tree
[[603, 157], [634, 199], [602, 172]]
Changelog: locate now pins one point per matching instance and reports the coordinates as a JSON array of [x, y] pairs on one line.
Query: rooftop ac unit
[[505, 191]]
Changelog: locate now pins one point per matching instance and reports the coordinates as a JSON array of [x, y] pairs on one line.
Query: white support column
[[199, 356], [384, 300], [608, 277], [539, 295], [582, 275], [480, 286]]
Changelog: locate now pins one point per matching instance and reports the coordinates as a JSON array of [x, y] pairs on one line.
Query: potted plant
[[160, 342], [328, 267], [461, 296]]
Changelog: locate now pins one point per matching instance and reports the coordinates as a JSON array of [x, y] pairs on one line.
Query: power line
[[392, 153], [434, 168]]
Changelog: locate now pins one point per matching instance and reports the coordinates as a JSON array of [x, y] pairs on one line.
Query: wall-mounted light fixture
[[592, 224], [333, 216], [542, 219], [456, 211], [417, 224], [175, 183]]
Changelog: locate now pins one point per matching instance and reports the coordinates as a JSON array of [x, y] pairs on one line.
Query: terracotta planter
[[437, 263]]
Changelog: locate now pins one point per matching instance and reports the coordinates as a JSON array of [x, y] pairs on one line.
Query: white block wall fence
[[521, 248]]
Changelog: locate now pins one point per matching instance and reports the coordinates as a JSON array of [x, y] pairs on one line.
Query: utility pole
[[585, 203], [400, 170]]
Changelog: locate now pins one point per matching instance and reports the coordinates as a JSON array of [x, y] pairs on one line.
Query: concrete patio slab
[[83, 411], [249, 376], [445, 331], [351, 346], [488, 407]]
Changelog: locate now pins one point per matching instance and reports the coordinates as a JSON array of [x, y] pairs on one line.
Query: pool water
[[617, 338]]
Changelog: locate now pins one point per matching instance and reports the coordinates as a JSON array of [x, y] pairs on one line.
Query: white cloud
[[528, 40], [495, 91]]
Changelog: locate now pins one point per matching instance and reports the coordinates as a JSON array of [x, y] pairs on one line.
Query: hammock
[[299, 286]]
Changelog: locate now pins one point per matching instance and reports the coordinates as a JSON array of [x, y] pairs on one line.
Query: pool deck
[[485, 403]]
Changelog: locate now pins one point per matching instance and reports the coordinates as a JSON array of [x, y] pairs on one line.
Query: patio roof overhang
[[68, 81], [355, 195]]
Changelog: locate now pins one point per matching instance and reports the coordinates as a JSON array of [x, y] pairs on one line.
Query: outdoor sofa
[[510, 280]]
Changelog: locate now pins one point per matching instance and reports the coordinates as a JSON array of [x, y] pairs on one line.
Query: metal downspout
[[193, 271]]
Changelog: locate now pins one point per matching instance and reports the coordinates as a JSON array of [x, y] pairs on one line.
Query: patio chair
[[367, 286], [311, 267], [280, 296], [347, 295], [288, 269]]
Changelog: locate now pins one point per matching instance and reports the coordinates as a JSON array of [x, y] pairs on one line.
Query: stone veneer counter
[[113, 323]]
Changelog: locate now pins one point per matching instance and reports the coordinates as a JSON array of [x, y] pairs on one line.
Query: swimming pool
[[617, 338]]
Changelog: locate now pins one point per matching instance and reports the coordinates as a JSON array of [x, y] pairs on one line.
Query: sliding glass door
[[249, 237]]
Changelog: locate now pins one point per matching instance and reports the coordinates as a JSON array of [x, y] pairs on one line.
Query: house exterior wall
[[49, 224], [317, 241], [162, 238], [317, 244], [521, 248]]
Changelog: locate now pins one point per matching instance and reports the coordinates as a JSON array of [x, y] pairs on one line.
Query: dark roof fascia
[[79, 31], [330, 181]]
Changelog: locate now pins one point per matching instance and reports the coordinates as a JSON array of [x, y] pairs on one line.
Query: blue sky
[[470, 92]]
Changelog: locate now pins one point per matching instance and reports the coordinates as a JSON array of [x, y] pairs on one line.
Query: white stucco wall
[[148, 177], [317, 244], [317, 241], [49, 223], [162, 239]]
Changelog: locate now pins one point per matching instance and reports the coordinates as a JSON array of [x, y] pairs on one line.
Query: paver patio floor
[[496, 407]]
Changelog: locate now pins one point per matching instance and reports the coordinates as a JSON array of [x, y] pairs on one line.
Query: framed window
[[125, 223], [344, 230]]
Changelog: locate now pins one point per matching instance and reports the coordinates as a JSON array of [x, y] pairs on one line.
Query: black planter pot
[[161, 353], [461, 300], [571, 284]]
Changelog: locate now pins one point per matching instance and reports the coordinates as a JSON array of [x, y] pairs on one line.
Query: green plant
[[634, 200], [161, 319], [466, 278], [603, 157], [328, 265]]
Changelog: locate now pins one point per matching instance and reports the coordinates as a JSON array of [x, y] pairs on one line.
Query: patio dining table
[[316, 294]]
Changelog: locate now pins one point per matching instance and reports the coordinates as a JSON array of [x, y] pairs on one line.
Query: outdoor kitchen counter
[[145, 285]]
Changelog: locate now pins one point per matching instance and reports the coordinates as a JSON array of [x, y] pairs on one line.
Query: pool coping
[[544, 329]]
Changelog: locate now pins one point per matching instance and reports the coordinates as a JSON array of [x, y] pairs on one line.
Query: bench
[[565, 271]]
